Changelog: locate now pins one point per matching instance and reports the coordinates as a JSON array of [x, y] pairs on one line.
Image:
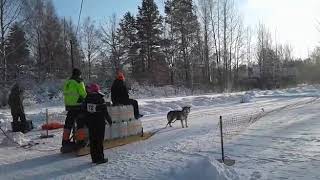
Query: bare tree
[[248, 46], [226, 27], [9, 13], [205, 19], [90, 43], [214, 9], [112, 43]]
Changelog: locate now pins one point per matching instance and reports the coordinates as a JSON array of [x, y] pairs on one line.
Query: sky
[[293, 22]]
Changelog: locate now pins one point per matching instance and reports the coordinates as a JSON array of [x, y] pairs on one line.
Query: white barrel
[[121, 113], [138, 126], [134, 124], [107, 132], [114, 112], [131, 128], [126, 115], [123, 129], [115, 130], [130, 112]]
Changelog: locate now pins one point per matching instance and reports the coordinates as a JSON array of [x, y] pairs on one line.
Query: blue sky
[[290, 21], [100, 10]]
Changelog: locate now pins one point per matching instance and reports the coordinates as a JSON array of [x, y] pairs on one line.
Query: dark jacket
[[96, 108], [15, 100], [119, 92]]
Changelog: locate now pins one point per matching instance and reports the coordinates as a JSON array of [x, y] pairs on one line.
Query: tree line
[[197, 44]]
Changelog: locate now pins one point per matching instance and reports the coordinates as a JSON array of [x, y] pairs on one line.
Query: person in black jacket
[[120, 95], [96, 115], [16, 106]]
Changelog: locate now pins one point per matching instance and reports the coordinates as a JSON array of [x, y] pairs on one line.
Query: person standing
[[74, 94], [120, 94], [96, 115], [15, 102]]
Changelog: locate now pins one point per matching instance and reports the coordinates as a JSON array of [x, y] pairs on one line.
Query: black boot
[[139, 116], [102, 161]]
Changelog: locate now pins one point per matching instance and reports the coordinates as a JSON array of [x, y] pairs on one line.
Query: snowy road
[[284, 144]]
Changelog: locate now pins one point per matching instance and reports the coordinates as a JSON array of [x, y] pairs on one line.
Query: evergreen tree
[[181, 16], [149, 30], [128, 35], [17, 51]]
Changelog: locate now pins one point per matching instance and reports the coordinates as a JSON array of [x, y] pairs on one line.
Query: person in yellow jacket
[[74, 92]]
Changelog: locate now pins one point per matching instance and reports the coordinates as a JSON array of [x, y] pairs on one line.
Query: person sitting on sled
[[96, 115], [120, 94]]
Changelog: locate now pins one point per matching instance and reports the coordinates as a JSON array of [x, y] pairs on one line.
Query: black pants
[[96, 125], [18, 115], [135, 105], [73, 116]]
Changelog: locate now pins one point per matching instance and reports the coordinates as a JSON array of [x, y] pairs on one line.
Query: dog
[[182, 115]]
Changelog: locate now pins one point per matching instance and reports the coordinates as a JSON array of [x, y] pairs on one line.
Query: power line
[[79, 17]]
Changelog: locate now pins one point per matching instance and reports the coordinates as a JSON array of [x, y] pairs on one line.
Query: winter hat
[[94, 88], [120, 76], [76, 72]]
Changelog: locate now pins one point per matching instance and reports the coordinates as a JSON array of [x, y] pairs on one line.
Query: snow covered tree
[[9, 13]]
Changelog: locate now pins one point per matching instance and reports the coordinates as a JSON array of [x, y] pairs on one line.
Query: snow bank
[[164, 105], [202, 169], [15, 138], [246, 98], [144, 91], [48, 93], [4, 93]]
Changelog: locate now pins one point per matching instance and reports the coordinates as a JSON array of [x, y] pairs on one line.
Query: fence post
[[47, 130], [221, 136], [47, 121]]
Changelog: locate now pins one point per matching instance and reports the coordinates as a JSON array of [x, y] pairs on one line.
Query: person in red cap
[[120, 95], [96, 115]]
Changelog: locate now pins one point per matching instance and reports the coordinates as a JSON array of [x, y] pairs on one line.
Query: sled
[[112, 143], [69, 148]]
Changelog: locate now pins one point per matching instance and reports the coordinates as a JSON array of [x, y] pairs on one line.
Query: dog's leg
[[182, 123], [186, 122]]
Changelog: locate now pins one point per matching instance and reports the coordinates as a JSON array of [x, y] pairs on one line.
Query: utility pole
[[71, 53]]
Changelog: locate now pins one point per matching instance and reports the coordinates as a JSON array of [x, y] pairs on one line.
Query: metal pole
[[221, 135], [71, 54], [47, 119]]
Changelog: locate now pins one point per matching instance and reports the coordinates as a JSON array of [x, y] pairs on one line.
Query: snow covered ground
[[283, 144]]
